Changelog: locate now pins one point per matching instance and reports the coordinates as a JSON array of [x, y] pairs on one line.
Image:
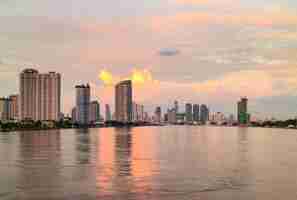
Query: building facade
[[196, 113], [158, 114], [242, 112], [189, 112], [5, 104], [107, 113], [94, 112], [204, 114], [14, 107], [171, 115], [83, 93], [137, 112], [123, 101], [40, 95], [176, 107], [73, 115]]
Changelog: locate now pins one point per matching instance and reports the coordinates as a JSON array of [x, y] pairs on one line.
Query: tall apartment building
[[242, 113], [40, 95], [83, 93], [123, 101]]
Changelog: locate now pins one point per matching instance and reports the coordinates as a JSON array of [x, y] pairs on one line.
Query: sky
[[198, 51]]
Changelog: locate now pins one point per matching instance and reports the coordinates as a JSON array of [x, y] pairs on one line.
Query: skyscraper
[[176, 106], [5, 109], [94, 112], [123, 101], [204, 114], [14, 107], [73, 115], [158, 114], [171, 115], [242, 115], [40, 95], [137, 112], [189, 112], [107, 113], [196, 113], [83, 104]]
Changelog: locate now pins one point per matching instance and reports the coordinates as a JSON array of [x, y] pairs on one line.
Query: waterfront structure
[[83, 104], [40, 95], [123, 101], [189, 113], [196, 113], [107, 113], [218, 118], [204, 114], [5, 109], [14, 107], [158, 114], [242, 115], [94, 112]]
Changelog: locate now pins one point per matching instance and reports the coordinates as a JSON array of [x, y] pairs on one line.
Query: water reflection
[[123, 151], [149, 163], [83, 146], [39, 164]]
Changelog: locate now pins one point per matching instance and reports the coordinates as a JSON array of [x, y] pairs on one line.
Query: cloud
[[206, 2], [169, 52], [139, 77]]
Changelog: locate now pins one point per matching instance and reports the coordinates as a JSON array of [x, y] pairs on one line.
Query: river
[[158, 163]]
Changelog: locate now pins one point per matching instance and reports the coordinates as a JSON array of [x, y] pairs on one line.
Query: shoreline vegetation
[[67, 124]]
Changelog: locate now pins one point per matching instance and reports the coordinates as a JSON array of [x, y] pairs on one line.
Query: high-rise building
[[73, 115], [123, 101], [40, 95], [14, 107], [171, 114], [176, 106], [204, 114], [83, 94], [94, 112], [5, 109], [158, 114], [196, 113], [137, 112], [242, 115], [107, 113], [189, 112]]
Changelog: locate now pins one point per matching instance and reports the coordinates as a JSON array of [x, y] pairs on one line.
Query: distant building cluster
[[39, 99], [194, 114]]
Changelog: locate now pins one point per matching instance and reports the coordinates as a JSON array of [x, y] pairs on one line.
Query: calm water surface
[[157, 163]]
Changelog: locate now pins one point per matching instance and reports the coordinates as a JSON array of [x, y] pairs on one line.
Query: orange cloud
[[139, 77]]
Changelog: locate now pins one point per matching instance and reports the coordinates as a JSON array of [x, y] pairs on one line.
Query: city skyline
[[195, 51]]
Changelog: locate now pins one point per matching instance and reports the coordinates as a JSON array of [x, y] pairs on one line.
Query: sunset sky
[[198, 51]]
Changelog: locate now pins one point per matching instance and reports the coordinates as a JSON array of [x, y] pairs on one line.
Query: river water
[[172, 163]]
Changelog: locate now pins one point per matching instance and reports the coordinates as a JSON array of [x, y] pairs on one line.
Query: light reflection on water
[[177, 162]]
